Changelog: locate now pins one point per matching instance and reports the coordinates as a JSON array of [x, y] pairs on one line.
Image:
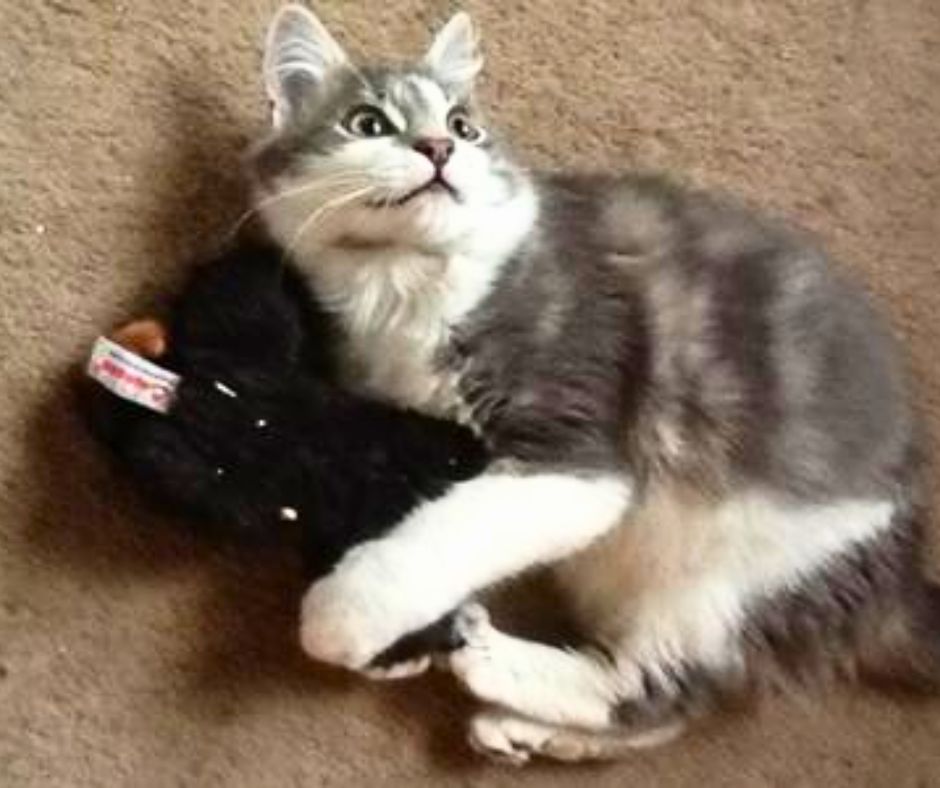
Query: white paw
[[400, 670], [472, 623], [357, 611], [483, 664], [505, 738], [335, 628]]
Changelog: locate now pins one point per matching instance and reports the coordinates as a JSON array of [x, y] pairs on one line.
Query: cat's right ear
[[454, 57], [299, 54]]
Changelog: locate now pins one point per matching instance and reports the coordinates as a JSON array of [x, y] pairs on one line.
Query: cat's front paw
[[340, 624], [358, 611]]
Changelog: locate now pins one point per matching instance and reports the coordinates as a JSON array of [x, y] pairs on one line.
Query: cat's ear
[[299, 54], [454, 57]]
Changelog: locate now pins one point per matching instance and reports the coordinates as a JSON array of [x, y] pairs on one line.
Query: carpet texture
[[131, 654]]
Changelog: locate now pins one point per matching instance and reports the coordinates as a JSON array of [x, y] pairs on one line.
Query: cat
[[692, 416], [260, 447]]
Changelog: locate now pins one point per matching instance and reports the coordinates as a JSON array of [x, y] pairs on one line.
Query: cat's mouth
[[436, 184]]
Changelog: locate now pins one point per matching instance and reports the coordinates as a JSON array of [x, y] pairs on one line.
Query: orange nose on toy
[[147, 338]]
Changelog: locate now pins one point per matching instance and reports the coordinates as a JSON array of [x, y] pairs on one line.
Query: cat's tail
[[902, 650]]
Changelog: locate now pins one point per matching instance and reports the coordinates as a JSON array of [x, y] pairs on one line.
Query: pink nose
[[437, 149]]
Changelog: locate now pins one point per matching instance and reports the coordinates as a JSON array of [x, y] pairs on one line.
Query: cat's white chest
[[396, 313], [401, 366]]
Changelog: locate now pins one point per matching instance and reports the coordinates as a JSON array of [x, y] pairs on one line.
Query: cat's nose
[[437, 149]]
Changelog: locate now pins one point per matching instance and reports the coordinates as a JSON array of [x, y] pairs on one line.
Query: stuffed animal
[[257, 439]]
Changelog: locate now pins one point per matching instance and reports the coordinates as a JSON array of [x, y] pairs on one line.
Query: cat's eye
[[463, 128], [368, 121]]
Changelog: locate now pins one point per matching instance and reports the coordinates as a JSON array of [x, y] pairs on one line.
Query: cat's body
[[694, 418]]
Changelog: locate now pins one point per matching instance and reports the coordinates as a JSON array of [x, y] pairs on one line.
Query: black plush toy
[[259, 440]]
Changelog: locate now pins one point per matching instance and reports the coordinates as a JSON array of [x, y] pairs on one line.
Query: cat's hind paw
[[506, 738], [484, 662], [472, 625]]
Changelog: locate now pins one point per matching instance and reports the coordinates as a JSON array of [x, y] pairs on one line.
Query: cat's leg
[[508, 737], [482, 531], [674, 602], [563, 687]]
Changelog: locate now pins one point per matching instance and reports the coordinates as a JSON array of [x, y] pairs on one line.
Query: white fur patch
[[673, 583], [437, 105], [483, 531], [545, 683], [397, 310]]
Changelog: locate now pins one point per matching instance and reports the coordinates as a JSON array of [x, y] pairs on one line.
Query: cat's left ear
[[299, 55], [454, 57]]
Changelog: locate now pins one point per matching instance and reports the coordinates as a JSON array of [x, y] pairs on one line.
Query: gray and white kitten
[[695, 420]]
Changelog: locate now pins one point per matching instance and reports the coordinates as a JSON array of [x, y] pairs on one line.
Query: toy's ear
[[147, 338], [299, 54], [454, 57]]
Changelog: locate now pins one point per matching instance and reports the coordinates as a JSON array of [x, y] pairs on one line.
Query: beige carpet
[[133, 656]]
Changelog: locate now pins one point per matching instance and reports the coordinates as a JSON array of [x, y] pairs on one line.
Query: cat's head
[[364, 155]]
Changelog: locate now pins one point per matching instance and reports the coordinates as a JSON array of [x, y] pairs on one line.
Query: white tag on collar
[[132, 377]]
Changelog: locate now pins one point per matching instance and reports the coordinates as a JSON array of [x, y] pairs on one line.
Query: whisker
[[310, 222], [342, 178]]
